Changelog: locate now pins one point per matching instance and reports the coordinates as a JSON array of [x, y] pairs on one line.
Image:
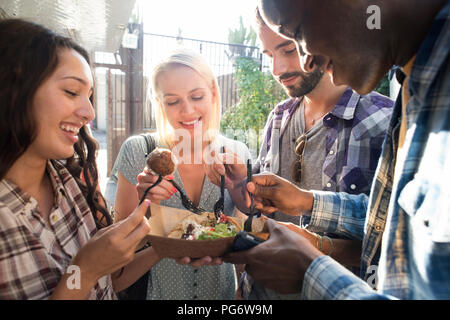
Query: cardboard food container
[[165, 219]]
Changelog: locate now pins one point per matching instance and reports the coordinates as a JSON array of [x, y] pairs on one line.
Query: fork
[[187, 203], [219, 205], [148, 189], [248, 221]]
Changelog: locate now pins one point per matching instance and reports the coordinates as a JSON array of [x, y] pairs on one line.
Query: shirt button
[[328, 185], [54, 217], [331, 152], [352, 186], [378, 227]]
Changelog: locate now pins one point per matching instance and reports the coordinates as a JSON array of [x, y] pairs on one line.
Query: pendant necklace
[[313, 121]]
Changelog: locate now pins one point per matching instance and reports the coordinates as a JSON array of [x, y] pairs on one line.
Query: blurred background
[[126, 38]]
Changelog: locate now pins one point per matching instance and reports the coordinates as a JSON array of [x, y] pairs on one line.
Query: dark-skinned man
[[408, 210], [341, 132]]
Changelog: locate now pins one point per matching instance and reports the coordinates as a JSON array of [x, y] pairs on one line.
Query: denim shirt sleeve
[[325, 279], [340, 213]]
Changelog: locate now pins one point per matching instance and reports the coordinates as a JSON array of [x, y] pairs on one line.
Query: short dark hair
[[258, 18]]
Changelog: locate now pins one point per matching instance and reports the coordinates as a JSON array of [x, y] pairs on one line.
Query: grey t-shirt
[[313, 160], [312, 164], [169, 280]]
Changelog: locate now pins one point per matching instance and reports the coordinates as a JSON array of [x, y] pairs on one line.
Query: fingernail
[[170, 177], [174, 190], [147, 202]]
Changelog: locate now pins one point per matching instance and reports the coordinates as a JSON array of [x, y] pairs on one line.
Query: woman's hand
[[200, 262], [163, 191], [113, 247], [231, 166]]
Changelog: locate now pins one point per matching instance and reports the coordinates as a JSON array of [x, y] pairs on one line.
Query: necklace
[[313, 121]]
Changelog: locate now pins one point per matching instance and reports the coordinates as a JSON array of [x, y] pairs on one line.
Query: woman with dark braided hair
[[57, 239]]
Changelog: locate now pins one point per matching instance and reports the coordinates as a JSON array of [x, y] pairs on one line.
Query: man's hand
[[273, 193], [279, 262], [310, 236]]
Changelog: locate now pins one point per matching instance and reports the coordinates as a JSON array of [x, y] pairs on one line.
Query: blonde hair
[[191, 59]]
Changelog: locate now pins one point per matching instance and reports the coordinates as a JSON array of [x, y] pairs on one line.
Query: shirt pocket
[[355, 180], [426, 210]]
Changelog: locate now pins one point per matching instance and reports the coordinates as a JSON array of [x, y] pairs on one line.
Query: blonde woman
[[186, 101]]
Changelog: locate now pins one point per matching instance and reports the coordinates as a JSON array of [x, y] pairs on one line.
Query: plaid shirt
[[409, 208], [356, 128], [34, 253]]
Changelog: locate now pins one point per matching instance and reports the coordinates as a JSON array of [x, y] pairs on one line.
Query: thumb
[[135, 218], [239, 257], [260, 190], [219, 168], [270, 225]]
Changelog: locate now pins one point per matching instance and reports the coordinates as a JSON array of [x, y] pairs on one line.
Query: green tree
[[241, 36], [258, 94]]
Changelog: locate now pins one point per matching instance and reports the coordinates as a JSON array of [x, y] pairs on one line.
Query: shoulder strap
[[149, 142]]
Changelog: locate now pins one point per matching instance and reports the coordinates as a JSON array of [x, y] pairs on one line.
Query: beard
[[307, 83]]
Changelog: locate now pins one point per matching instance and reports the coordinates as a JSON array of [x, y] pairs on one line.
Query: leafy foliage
[[241, 41], [242, 35], [258, 94]]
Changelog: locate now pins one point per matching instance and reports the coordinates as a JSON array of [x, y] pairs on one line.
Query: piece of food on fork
[[161, 162]]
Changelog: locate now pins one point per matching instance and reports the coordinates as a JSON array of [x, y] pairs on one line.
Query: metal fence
[[122, 99], [220, 56]]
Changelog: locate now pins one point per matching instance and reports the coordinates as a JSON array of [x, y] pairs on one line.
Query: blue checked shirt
[[409, 208], [355, 132]]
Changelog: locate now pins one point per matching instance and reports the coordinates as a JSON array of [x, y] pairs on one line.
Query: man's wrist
[[305, 202], [308, 255]]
